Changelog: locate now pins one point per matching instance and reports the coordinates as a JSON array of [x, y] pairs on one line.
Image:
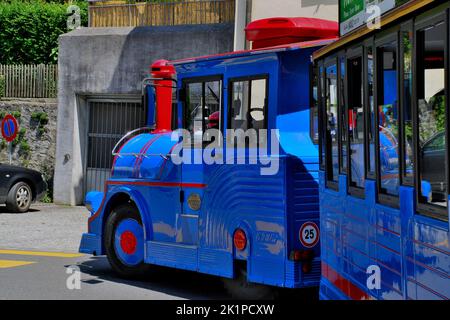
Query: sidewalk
[[46, 227]]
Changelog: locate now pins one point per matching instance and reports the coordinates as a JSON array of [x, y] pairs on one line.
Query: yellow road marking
[[41, 254], [12, 264]]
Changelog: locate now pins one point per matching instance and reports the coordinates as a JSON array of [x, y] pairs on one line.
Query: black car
[[19, 187]]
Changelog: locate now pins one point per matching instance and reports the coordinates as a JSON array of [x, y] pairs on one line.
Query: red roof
[[277, 31]]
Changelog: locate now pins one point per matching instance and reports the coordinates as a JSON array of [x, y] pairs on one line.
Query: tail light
[[304, 256], [306, 267], [240, 239], [301, 255]]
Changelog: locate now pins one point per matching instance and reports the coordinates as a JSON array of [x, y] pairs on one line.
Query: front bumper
[[91, 244]]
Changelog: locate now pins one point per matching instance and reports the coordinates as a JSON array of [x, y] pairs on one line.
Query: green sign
[[350, 8], [355, 13]]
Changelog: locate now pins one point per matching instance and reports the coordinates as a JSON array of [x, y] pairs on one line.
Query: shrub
[[24, 146], [16, 114], [29, 30], [42, 119]]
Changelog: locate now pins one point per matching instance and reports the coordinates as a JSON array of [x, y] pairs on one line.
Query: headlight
[[89, 207]]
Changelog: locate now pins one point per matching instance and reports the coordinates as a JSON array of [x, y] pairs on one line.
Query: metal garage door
[[109, 120]]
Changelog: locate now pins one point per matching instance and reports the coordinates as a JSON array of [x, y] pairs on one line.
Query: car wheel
[[240, 288], [124, 242], [19, 198]]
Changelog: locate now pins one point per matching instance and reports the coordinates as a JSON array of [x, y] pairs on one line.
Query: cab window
[[248, 106], [202, 108]]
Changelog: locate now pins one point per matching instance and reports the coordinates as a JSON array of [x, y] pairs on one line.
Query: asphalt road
[[39, 247], [28, 272], [25, 276]]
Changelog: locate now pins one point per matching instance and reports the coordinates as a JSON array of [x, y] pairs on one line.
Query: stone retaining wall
[[35, 145]]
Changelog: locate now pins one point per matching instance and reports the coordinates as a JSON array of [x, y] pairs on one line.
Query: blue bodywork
[[270, 209], [411, 250]]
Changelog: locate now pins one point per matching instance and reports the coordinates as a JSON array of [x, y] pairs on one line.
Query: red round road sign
[[309, 234], [9, 128]]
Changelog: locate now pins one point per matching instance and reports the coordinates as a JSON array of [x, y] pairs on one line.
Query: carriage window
[[342, 114], [406, 105], [321, 116], [371, 111], [314, 106], [388, 132], [203, 105], [431, 106], [331, 132], [356, 122]]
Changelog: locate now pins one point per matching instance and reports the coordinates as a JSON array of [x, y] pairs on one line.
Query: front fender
[[93, 201], [28, 178], [97, 221]]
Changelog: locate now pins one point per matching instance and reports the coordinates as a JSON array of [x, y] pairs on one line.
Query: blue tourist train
[[248, 213]]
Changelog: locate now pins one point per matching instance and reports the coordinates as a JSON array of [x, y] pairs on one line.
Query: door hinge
[[182, 196]]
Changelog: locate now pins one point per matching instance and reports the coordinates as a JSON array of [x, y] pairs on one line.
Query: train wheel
[[124, 242], [240, 288]]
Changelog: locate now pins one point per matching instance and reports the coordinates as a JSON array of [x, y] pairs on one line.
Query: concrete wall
[[113, 61], [251, 10]]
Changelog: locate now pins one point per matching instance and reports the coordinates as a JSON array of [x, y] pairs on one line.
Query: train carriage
[[384, 175]]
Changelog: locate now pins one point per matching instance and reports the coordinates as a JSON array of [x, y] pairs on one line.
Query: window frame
[[423, 21], [342, 109], [406, 27], [386, 37], [321, 73], [314, 71], [203, 80], [359, 192], [372, 175], [331, 184]]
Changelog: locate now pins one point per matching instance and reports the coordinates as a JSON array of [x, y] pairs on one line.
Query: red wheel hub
[[128, 242]]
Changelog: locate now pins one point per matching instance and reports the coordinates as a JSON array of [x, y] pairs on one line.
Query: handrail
[[128, 136], [144, 155]]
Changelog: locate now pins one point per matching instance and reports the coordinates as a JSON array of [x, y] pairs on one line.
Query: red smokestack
[[163, 88]]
